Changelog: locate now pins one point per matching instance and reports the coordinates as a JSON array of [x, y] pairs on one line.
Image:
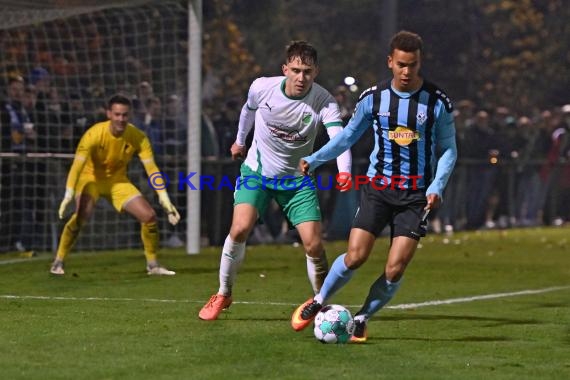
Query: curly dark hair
[[406, 41]]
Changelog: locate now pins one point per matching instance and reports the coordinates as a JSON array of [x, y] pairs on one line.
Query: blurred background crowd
[[512, 135], [513, 169]]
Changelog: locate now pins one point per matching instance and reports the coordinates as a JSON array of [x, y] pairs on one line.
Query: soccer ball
[[334, 324]]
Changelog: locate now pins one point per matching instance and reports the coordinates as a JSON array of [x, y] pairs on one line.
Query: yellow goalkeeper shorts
[[118, 193]]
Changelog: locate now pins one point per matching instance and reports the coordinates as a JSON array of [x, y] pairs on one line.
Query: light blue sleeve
[[359, 122], [446, 151]]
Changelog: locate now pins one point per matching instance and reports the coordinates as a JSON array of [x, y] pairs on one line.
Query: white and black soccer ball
[[334, 324]]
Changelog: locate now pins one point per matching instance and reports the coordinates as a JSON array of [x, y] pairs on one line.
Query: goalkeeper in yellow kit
[[100, 170]]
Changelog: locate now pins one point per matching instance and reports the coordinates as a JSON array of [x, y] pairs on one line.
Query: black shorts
[[402, 209]]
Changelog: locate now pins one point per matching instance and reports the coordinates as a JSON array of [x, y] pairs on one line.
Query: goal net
[[59, 62]]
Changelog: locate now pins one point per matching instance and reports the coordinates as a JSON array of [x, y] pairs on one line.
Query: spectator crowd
[[513, 168]]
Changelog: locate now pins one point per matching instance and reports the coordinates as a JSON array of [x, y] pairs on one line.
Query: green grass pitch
[[475, 305]]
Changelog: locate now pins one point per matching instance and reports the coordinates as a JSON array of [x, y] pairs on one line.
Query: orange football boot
[[304, 314], [214, 307]]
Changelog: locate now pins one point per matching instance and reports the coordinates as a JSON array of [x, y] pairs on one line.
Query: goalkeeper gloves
[[67, 198], [173, 215]]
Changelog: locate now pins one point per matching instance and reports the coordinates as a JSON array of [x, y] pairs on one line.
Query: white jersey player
[[287, 112], [285, 126]]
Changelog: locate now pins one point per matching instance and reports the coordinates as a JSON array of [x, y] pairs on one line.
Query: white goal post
[[69, 57]]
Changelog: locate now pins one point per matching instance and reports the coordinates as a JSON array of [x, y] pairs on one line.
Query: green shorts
[[297, 197]]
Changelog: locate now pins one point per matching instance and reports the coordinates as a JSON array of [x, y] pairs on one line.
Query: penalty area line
[[400, 307]]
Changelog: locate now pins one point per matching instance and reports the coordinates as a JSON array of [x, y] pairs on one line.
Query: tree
[[228, 66], [510, 53]]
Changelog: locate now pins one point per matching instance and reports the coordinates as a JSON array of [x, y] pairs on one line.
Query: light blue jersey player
[[414, 149]]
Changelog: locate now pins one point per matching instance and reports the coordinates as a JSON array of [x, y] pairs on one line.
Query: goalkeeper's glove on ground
[[67, 198], [173, 215]]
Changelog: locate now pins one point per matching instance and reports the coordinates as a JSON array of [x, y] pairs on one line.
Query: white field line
[[401, 306], [477, 298], [21, 260], [40, 257]]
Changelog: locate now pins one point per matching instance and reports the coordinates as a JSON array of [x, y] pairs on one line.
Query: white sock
[[361, 318], [319, 299], [317, 269], [232, 256]]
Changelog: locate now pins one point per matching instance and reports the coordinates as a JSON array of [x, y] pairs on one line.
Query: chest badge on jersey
[[403, 136], [422, 117], [307, 118]]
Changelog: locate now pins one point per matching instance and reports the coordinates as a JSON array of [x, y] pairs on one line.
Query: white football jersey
[[285, 128]]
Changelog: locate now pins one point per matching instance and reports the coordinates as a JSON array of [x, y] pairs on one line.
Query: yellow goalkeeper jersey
[[100, 156]]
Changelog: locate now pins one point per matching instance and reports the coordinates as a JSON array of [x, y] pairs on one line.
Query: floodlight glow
[[349, 81]]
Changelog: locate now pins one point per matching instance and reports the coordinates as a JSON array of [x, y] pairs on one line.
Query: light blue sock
[[381, 292], [338, 276]]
